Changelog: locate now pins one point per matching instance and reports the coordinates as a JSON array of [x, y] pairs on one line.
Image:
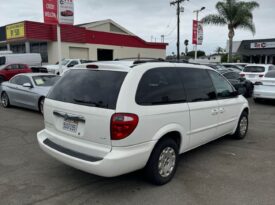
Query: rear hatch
[[253, 72], [79, 108]]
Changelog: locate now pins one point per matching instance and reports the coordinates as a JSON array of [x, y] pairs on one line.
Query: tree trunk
[[231, 36]]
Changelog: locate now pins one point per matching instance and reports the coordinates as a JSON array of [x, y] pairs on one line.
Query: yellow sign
[[15, 31]]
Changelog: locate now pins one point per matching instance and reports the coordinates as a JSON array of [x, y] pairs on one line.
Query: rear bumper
[[120, 160], [264, 94]]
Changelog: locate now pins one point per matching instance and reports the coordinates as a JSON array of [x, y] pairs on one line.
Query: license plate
[[70, 126], [251, 76]]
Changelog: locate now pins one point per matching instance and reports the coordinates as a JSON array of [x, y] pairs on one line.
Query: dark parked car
[[8, 71], [243, 86]]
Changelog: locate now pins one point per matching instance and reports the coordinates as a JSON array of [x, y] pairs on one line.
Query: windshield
[[92, 88], [254, 69], [63, 62], [47, 80]]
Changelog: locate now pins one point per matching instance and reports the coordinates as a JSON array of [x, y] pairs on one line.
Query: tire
[[242, 127], [41, 105], [5, 101], [165, 152], [2, 79]]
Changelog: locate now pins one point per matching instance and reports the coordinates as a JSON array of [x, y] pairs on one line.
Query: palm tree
[[235, 14]]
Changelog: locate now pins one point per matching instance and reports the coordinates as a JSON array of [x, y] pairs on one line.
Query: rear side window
[[254, 69], [231, 75], [270, 74], [92, 88], [223, 88], [2, 60], [160, 86], [271, 68], [198, 84]]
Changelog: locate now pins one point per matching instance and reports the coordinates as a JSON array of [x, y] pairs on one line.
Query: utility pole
[[177, 3]]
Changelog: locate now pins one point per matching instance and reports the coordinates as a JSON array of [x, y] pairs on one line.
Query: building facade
[[101, 40], [256, 51]]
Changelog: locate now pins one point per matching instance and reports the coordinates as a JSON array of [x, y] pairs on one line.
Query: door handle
[[222, 110], [215, 112]]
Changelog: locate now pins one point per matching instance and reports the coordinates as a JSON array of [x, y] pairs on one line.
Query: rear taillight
[[261, 76], [242, 75], [258, 83], [122, 125]]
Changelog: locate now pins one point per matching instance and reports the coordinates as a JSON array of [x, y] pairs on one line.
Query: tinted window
[[73, 63], [20, 80], [15, 66], [270, 74], [91, 88], [46, 80], [160, 86], [231, 75], [2, 60], [223, 88], [197, 84], [254, 69]]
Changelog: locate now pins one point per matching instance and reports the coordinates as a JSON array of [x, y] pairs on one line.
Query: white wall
[[119, 51]]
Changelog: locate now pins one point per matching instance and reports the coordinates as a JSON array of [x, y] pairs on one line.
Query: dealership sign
[[50, 8], [66, 12], [58, 11], [197, 33], [262, 45], [15, 31]]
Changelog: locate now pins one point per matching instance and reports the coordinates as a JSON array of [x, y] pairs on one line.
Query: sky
[[149, 19]]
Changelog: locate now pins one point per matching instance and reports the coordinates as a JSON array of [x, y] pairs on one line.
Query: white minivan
[[110, 120]]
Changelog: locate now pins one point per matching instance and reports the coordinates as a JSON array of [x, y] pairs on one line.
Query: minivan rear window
[[2, 60], [94, 88], [254, 69]]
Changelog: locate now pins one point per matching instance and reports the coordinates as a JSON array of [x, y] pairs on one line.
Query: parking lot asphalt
[[225, 171]]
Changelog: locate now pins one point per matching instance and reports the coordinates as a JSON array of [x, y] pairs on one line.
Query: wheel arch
[[175, 132]]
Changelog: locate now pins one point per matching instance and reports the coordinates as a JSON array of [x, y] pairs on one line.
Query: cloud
[[148, 18]]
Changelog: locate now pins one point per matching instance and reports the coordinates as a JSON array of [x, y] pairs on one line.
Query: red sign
[[50, 11], [195, 33]]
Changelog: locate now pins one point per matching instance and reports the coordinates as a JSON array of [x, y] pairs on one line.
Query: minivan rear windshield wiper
[[87, 102]]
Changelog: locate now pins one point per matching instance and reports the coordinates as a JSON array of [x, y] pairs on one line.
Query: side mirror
[[27, 85], [235, 93]]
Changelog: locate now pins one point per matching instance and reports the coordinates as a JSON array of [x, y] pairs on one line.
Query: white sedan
[[265, 88]]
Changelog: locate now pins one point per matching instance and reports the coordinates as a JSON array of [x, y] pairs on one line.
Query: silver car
[[27, 90]]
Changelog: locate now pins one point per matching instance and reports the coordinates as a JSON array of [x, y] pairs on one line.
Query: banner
[[66, 12], [195, 32], [50, 9], [200, 33], [15, 31], [197, 38]]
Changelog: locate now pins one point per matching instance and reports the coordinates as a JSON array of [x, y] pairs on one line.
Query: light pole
[[197, 19]]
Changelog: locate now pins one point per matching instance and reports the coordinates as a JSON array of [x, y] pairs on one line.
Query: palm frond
[[214, 19]]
